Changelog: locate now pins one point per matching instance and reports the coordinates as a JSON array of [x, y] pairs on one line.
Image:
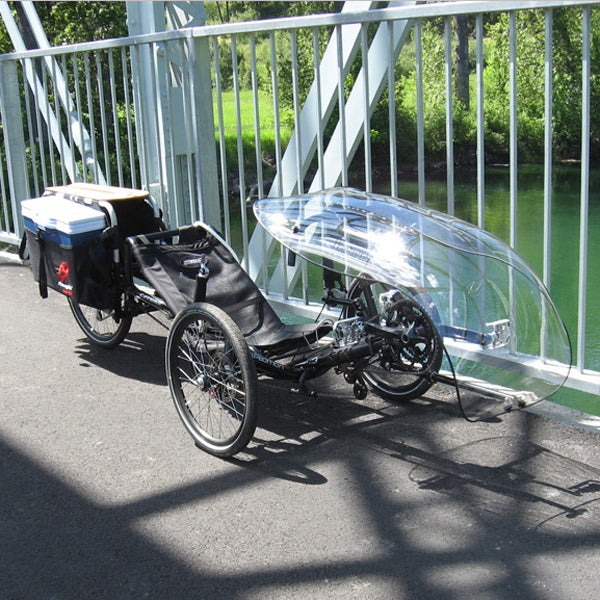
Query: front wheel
[[103, 327], [404, 371], [212, 379], [406, 365]]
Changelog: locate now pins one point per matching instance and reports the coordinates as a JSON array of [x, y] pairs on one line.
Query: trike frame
[[361, 345], [429, 298]]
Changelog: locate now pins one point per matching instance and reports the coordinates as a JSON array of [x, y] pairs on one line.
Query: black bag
[[85, 273]]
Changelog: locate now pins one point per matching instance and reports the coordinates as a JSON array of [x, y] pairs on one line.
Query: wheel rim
[[102, 327], [208, 381], [100, 322]]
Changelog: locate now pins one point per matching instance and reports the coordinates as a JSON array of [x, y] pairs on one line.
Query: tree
[[566, 84], [461, 59], [70, 22]]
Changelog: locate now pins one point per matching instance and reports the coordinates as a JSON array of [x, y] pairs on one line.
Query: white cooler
[[61, 221]]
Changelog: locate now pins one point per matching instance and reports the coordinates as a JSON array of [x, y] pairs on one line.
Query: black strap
[[42, 278], [23, 253], [200, 290], [41, 274], [291, 258]]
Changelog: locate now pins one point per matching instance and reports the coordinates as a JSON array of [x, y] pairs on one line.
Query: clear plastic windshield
[[506, 344]]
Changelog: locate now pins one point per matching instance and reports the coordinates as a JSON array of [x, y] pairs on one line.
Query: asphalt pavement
[[104, 495]]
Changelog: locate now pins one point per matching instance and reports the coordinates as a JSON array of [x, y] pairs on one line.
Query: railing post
[[584, 209], [207, 183], [145, 17], [14, 139], [449, 116]]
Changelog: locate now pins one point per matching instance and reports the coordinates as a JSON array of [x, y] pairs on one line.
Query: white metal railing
[[138, 111]]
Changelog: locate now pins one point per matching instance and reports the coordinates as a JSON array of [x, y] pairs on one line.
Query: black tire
[[212, 379], [102, 327], [419, 358]]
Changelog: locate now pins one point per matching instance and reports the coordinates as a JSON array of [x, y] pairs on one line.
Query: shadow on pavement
[[103, 495]]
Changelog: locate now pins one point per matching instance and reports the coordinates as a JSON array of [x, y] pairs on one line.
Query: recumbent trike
[[411, 297]]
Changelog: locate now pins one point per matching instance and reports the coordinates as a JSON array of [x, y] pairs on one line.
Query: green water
[[566, 193]]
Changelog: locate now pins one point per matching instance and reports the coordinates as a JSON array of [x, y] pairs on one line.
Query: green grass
[[266, 122]]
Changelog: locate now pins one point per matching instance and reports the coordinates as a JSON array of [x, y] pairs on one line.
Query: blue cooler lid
[[58, 213]]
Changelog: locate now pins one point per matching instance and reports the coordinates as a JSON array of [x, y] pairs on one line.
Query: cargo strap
[[42, 279], [23, 255], [201, 279]]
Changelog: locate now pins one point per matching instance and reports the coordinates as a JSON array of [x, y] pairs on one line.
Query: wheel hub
[[202, 382]]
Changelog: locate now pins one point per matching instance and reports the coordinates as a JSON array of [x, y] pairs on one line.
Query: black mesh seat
[[172, 270]]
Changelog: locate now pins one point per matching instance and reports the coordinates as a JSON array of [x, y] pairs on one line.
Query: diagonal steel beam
[[81, 137], [375, 74]]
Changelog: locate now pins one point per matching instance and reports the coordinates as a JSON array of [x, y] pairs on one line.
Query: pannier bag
[[72, 233], [67, 251]]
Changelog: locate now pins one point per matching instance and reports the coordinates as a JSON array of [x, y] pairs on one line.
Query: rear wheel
[[212, 379], [403, 369], [103, 327]]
